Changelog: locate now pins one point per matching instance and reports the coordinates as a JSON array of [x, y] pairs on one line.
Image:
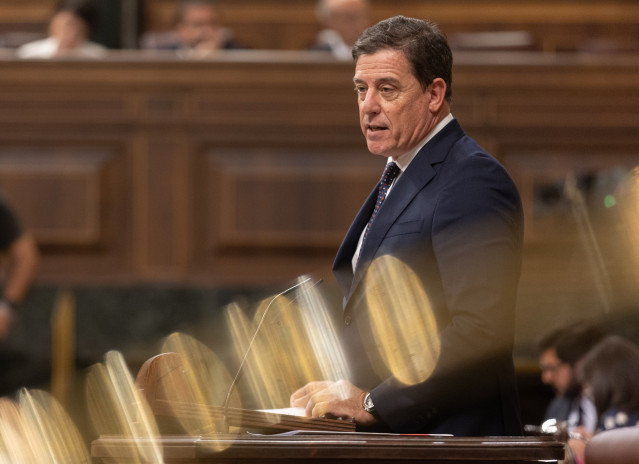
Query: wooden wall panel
[[161, 204], [42, 105], [75, 196], [26, 11], [58, 192], [283, 199], [220, 170]]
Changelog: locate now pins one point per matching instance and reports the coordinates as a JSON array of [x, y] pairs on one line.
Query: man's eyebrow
[[384, 80]]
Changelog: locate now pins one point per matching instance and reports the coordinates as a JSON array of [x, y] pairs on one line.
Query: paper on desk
[[300, 412]]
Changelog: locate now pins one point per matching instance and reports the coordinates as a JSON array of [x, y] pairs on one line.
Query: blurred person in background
[[609, 373], [198, 27], [19, 265], [69, 31], [560, 352], [343, 22]]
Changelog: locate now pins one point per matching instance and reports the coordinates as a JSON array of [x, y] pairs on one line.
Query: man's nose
[[370, 103]]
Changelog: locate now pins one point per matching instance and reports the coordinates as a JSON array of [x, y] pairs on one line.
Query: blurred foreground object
[[63, 347], [117, 407], [620, 446], [170, 388], [38, 430]]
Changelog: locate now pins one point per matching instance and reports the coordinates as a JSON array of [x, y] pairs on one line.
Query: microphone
[[250, 346]]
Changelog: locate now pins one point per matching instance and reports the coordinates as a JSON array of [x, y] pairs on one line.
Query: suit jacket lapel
[[419, 173], [408, 185]]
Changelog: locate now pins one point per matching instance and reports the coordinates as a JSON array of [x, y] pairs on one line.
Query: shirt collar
[[404, 160]]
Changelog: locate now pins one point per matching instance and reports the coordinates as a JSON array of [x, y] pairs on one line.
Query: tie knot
[[390, 172]]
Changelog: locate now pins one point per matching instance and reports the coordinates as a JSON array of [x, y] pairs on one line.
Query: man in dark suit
[[451, 213]]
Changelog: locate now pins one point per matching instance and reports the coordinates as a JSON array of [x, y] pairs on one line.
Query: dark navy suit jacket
[[455, 218]]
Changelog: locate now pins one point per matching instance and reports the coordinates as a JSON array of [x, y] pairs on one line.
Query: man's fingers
[[322, 396], [320, 409], [319, 402], [300, 397], [333, 409], [300, 401]]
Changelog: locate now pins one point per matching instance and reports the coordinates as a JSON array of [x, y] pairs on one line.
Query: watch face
[[368, 404]]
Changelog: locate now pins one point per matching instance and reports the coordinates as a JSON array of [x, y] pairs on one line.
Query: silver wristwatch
[[369, 407]]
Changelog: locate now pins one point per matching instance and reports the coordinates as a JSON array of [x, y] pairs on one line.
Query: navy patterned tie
[[390, 173]]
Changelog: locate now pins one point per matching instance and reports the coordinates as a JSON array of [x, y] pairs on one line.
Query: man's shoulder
[[467, 158], [452, 143]]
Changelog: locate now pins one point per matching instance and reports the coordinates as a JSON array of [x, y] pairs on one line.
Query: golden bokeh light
[[293, 342], [257, 372], [51, 429], [18, 443], [117, 408], [194, 383], [324, 342], [403, 329], [37, 429]]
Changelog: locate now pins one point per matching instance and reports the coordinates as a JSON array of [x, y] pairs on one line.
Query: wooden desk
[[342, 448]]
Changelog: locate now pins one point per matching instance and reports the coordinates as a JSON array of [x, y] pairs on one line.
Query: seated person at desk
[[68, 35], [452, 216], [560, 352], [343, 22], [610, 376], [198, 28]]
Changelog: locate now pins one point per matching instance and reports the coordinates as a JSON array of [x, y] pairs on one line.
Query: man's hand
[[339, 399]]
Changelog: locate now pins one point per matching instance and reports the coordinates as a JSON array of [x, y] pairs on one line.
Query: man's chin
[[376, 149]]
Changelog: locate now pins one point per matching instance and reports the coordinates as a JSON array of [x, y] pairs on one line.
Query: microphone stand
[[248, 350]]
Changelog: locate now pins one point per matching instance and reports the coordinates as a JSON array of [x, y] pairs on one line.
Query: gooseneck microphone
[[250, 346]]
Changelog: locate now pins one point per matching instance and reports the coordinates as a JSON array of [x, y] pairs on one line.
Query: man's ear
[[437, 91]]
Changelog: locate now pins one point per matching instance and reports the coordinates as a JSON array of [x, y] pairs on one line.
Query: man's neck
[[404, 159]]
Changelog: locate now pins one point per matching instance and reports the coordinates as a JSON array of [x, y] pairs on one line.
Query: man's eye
[[386, 89], [360, 89]]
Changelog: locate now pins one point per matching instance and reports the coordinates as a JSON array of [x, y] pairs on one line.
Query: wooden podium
[[337, 448], [327, 441]]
